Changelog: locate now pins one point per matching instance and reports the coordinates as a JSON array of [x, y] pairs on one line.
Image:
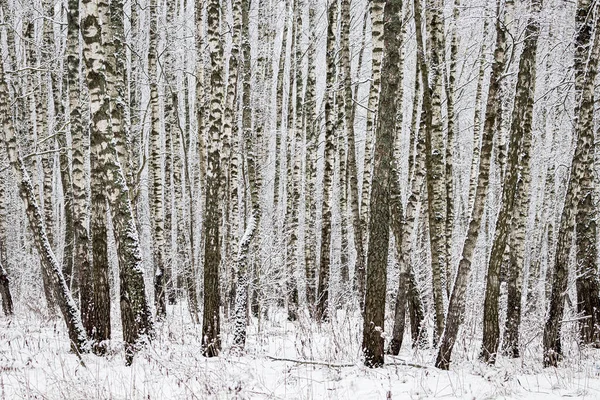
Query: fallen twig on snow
[[400, 362]]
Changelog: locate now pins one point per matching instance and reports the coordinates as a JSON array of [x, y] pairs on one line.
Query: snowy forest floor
[[35, 363]]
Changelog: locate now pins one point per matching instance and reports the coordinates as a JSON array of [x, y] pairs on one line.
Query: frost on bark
[[576, 202], [326, 220], [94, 282], [253, 221], [211, 322], [379, 221], [434, 145], [49, 263], [155, 172], [515, 204], [377, 40], [456, 305], [229, 157], [135, 312]]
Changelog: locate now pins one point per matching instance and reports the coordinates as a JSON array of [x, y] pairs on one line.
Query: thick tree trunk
[[379, 221], [377, 40], [211, 321]]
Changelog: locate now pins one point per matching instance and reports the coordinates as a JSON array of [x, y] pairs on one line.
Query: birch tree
[[211, 321], [379, 228]]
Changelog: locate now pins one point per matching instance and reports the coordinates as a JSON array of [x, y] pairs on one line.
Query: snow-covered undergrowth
[[35, 363]]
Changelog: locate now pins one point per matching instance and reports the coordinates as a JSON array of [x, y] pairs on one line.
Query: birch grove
[[392, 178]]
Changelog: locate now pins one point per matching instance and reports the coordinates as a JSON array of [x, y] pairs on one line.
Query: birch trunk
[[326, 222], [253, 222], [436, 171], [377, 40], [379, 222], [211, 321], [155, 172]]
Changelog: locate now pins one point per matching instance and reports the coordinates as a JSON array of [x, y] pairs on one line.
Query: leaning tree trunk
[[379, 221], [456, 306], [35, 218], [326, 221], [515, 203], [584, 108], [135, 312], [211, 321]]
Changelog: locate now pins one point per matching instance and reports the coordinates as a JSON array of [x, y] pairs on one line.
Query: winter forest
[[304, 199]]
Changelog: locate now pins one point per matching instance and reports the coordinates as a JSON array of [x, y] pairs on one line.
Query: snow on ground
[[35, 363]]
